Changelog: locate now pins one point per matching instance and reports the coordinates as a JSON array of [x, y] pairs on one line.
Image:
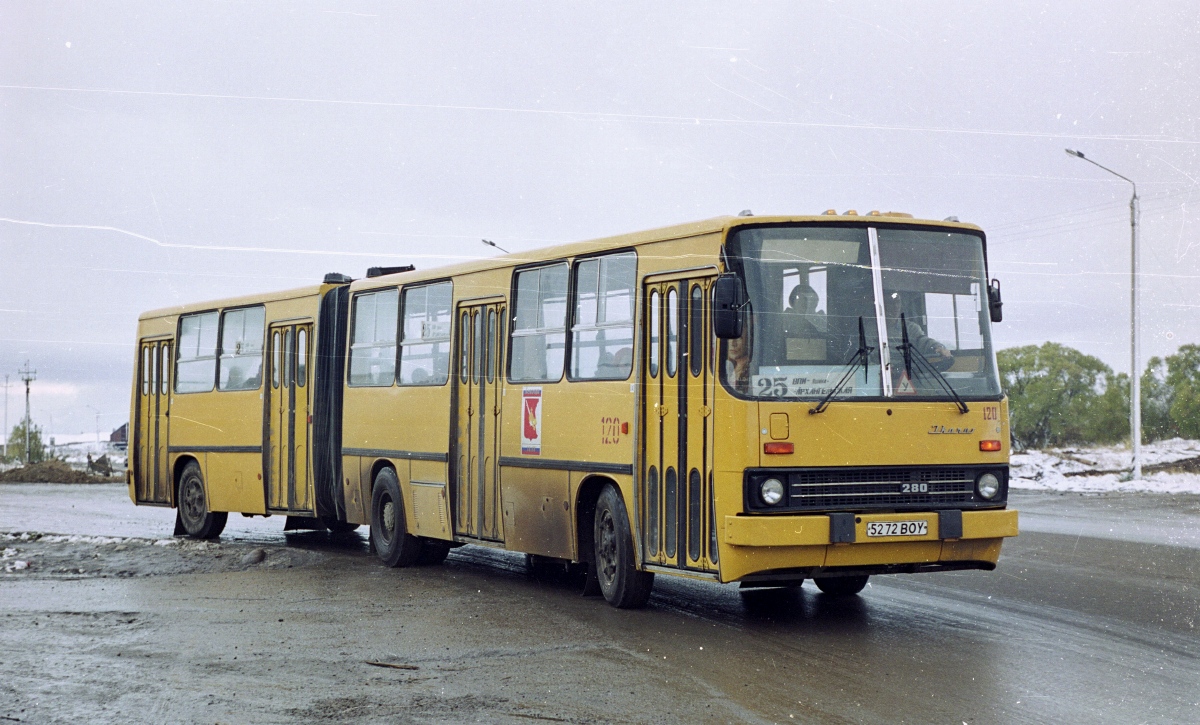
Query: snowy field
[[1167, 467]]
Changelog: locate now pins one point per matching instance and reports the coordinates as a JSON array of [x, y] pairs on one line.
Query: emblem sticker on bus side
[[531, 421]]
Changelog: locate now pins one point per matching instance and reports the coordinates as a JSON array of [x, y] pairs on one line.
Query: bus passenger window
[[491, 345], [425, 335], [373, 344], [464, 347], [240, 364], [301, 357], [654, 333], [479, 352], [166, 365], [696, 331], [672, 331], [602, 329], [153, 372], [539, 325], [289, 358], [196, 360], [146, 370], [276, 360]]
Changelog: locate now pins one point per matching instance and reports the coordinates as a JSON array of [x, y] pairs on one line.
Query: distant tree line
[[1059, 396]]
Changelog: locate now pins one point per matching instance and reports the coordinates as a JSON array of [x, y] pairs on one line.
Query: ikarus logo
[[935, 430]]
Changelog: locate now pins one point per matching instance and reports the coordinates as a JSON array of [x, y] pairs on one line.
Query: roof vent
[[830, 212], [851, 212], [338, 278], [380, 271], [745, 212], [874, 212], [950, 219]]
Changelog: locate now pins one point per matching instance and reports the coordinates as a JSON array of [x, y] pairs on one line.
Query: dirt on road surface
[[307, 627]]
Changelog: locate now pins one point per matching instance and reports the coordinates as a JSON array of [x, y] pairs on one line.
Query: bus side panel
[[537, 512], [426, 497], [234, 482]]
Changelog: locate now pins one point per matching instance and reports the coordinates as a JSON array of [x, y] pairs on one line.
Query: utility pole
[[28, 375], [1135, 344]]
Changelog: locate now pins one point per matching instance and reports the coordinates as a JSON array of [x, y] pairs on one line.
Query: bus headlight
[[988, 486], [771, 491]]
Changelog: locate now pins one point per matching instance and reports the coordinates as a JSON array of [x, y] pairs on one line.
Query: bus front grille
[[872, 488], [879, 487]]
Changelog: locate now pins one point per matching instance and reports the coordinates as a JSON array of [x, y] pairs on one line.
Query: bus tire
[[194, 516], [393, 544], [841, 586], [622, 585], [433, 552]]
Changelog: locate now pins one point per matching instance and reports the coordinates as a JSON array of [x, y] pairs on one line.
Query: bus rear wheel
[[841, 586], [622, 585], [194, 516], [393, 544]]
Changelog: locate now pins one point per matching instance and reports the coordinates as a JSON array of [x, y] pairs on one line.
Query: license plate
[[897, 528]]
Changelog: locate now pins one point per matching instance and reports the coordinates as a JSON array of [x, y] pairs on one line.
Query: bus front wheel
[[616, 568], [393, 544], [841, 586], [194, 516]]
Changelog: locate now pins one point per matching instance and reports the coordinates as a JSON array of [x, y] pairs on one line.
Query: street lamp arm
[[1079, 155]]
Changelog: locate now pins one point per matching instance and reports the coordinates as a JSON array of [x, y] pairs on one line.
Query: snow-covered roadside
[[1102, 469]]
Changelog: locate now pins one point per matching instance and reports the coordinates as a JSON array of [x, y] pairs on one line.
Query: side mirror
[[728, 300], [995, 305]]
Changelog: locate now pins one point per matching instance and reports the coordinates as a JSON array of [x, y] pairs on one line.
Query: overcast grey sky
[[145, 146]]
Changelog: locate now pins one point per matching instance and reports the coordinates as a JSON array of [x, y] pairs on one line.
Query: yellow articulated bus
[[746, 399]]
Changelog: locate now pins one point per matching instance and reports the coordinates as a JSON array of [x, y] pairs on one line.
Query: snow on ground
[[1106, 468]]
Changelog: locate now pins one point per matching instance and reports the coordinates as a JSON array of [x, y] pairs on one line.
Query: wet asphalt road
[[1091, 617]]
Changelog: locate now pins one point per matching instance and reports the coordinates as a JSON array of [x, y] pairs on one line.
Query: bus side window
[[146, 370], [276, 358], [654, 333], [425, 335], [163, 376], [602, 328], [464, 347], [696, 330], [289, 358], [672, 332], [373, 343], [539, 325], [196, 355], [301, 357]]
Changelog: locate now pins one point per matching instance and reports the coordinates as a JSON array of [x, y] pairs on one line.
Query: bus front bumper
[[791, 547]]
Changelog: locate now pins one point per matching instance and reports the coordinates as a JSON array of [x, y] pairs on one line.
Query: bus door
[[476, 486], [152, 469], [288, 411], [676, 498]]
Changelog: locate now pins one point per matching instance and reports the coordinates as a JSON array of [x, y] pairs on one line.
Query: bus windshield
[[814, 292]]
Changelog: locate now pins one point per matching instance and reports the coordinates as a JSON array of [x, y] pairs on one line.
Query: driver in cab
[[934, 351]]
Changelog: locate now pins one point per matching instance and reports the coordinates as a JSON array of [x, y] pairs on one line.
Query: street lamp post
[[1135, 378]]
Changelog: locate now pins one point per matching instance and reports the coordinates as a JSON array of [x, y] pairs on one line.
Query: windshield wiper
[[863, 354], [906, 348]]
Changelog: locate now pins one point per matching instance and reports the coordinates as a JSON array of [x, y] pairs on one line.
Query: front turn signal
[[989, 445], [777, 448]]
